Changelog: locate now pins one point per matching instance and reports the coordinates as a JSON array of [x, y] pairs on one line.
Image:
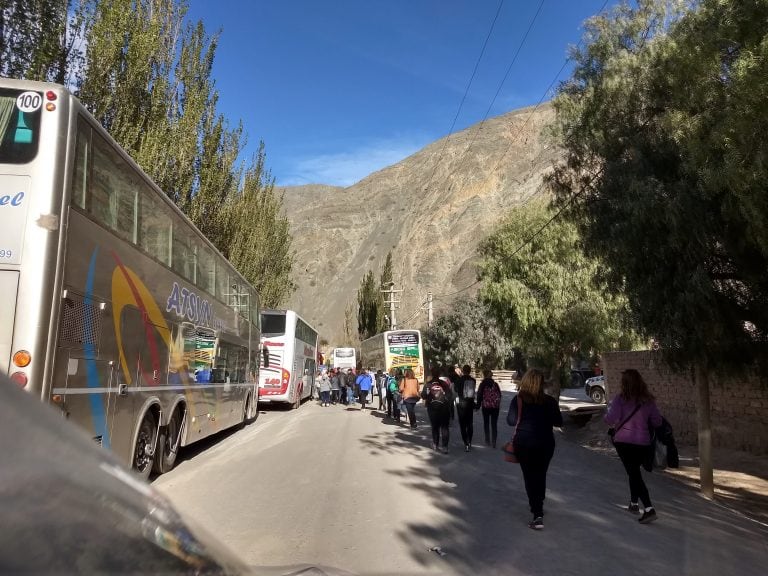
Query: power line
[[464, 97], [496, 95], [529, 240]]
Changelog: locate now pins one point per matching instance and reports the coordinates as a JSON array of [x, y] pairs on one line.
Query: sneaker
[[434, 446], [466, 448], [444, 449], [648, 516], [633, 508], [537, 523]]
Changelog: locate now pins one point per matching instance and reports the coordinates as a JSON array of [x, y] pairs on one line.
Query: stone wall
[[739, 407]]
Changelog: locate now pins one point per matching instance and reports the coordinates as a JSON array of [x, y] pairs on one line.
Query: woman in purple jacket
[[630, 414]]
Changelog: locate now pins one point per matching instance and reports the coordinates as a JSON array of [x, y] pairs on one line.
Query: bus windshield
[[272, 324], [19, 125]]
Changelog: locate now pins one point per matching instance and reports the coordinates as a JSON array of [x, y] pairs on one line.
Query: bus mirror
[[265, 356]]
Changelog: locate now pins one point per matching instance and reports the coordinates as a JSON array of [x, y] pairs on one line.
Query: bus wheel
[[246, 412], [143, 455], [168, 444], [297, 402]]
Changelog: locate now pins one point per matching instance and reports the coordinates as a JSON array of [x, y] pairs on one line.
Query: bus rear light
[[22, 358], [19, 378], [286, 376], [57, 399], [50, 95], [50, 106]]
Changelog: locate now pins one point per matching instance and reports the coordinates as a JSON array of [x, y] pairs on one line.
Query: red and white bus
[[292, 345]]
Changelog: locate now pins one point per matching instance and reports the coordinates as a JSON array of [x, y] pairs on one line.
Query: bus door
[[9, 284]]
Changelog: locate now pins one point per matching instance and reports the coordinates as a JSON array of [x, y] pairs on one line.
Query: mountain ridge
[[431, 210]]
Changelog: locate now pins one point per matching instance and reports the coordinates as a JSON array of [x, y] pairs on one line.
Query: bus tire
[[165, 459], [297, 403], [246, 412], [143, 453]]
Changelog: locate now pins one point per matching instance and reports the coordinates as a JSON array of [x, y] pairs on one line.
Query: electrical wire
[[496, 95], [531, 238], [464, 97]]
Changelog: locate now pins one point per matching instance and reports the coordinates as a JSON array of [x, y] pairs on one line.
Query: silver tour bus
[[116, 309]]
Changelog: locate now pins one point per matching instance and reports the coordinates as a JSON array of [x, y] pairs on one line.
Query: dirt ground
[[741, 479]]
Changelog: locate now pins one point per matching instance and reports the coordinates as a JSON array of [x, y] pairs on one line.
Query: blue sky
[[338, 89]]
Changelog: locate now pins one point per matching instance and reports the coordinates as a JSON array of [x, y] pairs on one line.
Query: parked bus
[[292, 345], [394, 349], [343, 358], [116, 309]]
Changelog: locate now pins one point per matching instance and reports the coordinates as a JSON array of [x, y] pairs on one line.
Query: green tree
[[547, 296], [386, 278], [351, 338], [260, 246], [39, 41], [663, 124], [467, 334], [369, 308]]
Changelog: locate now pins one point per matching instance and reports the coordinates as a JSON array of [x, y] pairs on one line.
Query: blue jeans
[[325, 396], [350, 394]]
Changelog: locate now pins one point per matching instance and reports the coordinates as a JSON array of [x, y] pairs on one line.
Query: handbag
[[612, 431], [509, 447]]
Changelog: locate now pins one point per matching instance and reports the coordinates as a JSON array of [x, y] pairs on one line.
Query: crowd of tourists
[[453, 394]]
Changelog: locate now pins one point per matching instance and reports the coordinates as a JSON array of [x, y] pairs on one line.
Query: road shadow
[[484, 514]]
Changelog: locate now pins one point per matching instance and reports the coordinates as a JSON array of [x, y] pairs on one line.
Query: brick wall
[[739, 407]]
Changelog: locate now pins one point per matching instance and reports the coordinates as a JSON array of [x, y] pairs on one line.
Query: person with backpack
[[364, 383], [629, 415], [438, 398], [489, 399], [335, 385], [393, 396], [409, 391], [465, 393], [534, 440]]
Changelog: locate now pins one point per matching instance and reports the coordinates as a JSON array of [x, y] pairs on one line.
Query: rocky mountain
[[431, 210]]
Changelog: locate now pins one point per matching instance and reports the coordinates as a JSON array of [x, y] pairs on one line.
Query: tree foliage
[[144, 72], [260, 245], [467, 334], [39, 39], [665, 133], [370, 314], [547, 296], [371, 310]]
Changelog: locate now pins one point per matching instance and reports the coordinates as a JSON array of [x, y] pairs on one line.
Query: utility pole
[[429, 310], [391, 303]]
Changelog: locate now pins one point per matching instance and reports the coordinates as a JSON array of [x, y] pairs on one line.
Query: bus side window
[[183, 257], [113, 190], [81, 174], [154, 231]]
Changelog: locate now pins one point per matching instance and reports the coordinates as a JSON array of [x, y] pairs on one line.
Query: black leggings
[[632, 456], [490, 420], [534, 462], [439, 418], [466, 421]]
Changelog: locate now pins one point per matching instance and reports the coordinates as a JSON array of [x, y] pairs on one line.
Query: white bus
[[292, 346], [394, 349], [115, 308], [343, 358]]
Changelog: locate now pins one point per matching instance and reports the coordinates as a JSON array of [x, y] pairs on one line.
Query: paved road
[[340, 487]]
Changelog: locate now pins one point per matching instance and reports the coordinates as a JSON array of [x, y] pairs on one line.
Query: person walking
[[465, 392], [381, 388], [342, 386], [489, 399], [409, 391], [534, 440], [364, 383], [324, 385], [630, 414], [438, 398], [350, 386], [335, 386]]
